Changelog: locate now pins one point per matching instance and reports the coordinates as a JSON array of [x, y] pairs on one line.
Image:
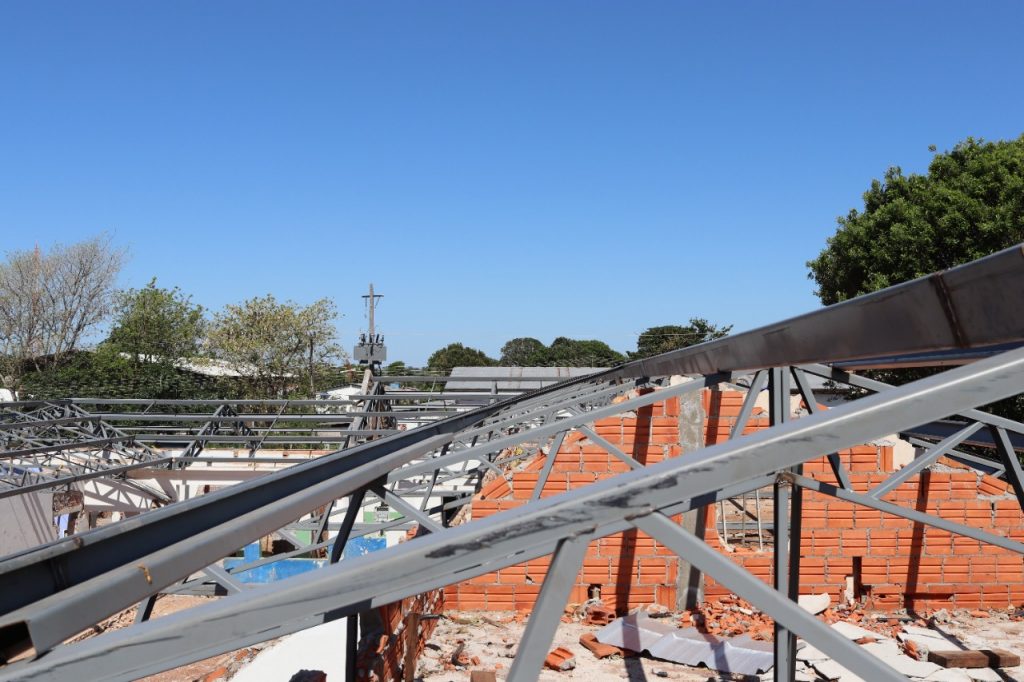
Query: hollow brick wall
[[381, 654], [893, 562]]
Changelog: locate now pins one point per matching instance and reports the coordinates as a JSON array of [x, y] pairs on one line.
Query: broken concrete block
[[890, 654], [949, 675], [855, 632], [810, 654], [814, 603], [925, 640], [831, 670], [560, 659]]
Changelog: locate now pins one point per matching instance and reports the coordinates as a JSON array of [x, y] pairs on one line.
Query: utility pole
[[372, 302], [371, 350]]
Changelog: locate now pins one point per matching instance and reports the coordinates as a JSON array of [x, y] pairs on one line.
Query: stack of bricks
[[891, 562]]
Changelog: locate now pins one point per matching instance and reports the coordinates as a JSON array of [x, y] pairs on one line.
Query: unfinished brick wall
[[381, 654], [628, 569], [891, 562]]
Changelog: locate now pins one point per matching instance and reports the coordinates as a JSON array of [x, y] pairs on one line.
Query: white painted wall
[[319, 648]]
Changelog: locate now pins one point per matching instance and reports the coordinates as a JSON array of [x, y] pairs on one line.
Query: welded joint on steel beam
[[939, 283]]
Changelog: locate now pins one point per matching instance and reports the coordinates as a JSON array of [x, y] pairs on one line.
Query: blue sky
[[583, 169]]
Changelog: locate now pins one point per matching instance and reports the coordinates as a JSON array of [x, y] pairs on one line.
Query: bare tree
[[50, 301]]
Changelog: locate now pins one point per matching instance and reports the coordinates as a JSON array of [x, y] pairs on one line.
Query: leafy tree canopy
[[457, 355], [159, 325], [968, 205], [523, 352], [105, 372], [276, 345], [657, 340], [396, 368], [566, 352]]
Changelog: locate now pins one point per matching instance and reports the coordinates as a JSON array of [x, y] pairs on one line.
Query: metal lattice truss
[[50, 445], [968, 316]]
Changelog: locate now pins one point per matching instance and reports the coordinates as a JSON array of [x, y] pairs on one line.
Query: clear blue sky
[[584, 169]]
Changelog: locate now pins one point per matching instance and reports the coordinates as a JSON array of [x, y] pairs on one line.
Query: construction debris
[[600, 650], [598, 614], [639, 632], [975, 658], [459, 657], [560, 659], [814, 603]]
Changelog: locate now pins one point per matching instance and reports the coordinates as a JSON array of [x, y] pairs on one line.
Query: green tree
[[156, 325], [522, 352], [457, 355], [396, 368], [277, 347], [106, 372], [969, 204], [657, 340], [566, 352]]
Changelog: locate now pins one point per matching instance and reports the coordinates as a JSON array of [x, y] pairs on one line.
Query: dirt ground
[[492, 637], [216, 668]]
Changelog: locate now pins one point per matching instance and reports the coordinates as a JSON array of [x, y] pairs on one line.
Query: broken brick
[[599, 649], [560, 659], [599, 615]]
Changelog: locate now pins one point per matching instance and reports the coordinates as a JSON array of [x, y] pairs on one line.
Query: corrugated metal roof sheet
[[640, 632]]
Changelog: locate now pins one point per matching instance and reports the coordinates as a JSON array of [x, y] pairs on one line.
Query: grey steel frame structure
[[56, 590]]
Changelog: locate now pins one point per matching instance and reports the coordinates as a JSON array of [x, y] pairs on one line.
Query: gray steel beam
[[879, 386], [269, 440], [89, 444], [943, 429], [405, 509], [355, 503], [549, 463], [608, 447], [909, 514], [923, 461], [553, 427], [84, 602], [223, 578], [812, 406], [1014, 473], [548, 609], [784, 661], [88, 475], [916, 317], [756, 384]]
